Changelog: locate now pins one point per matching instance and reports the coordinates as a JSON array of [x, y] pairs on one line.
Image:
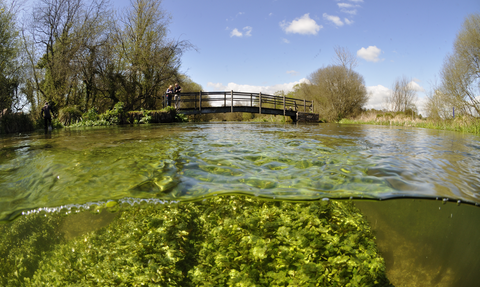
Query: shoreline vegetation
[[465, 124], [17, 123]]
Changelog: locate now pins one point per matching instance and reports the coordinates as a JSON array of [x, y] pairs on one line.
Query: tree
[[339, 90], [460, 74], [9, 52], [150, 61], [403, 95], [65, 32]]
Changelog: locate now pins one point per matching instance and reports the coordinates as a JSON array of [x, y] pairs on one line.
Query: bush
[[15, 123], [114, 115], [69, 115], [90, 115]]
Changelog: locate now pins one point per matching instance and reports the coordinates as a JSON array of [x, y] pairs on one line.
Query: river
[[418, 188]]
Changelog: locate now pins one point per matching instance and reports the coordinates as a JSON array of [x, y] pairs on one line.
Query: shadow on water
[[425, 242]]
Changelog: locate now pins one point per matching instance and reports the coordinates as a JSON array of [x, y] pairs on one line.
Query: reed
[[459, 124]]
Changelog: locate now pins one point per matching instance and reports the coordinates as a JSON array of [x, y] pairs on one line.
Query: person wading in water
[[47, 116]]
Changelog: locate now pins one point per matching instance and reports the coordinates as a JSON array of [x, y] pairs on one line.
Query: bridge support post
[[200, 102], [231, 106], [260, 103]]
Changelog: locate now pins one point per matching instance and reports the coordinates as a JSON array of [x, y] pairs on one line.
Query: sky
[[269, 45]]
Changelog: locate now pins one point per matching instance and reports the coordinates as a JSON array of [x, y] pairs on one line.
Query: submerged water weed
[[24, 243], [231, 240]]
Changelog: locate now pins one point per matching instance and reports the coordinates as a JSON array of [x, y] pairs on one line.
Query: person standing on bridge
[[177, 91], [169, 95]]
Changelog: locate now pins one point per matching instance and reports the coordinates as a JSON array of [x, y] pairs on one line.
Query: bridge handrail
[[254, 99]]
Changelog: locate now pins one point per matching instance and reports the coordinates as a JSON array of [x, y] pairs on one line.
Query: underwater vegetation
[[220, 241]]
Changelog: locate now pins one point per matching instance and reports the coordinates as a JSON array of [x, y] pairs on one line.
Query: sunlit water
[[183, 162]]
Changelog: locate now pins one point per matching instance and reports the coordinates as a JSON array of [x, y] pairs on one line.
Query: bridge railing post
[[231, 96], [225, 99], [251, 100], [260, 103], [304, 105], [283, 105], [200, 102]]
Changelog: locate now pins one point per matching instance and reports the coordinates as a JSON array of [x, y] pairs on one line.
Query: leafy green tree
[[9, 51]]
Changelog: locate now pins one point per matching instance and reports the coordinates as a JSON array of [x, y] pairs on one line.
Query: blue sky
[[267, 45]]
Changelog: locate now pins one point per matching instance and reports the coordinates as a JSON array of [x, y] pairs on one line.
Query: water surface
[[191, 161]]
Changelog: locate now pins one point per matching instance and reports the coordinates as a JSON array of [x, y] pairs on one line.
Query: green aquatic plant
[[24, 243], [230, 240], [249, 242]]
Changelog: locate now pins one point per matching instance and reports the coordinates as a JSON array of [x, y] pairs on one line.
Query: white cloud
[[345, 5], [285, 41], [236, 33], [303, 25], [349, 22], [334, 19], [348, 8], [370, 54], [353, 12], [378, 95], [255, 89], [292, 72], [416, 87], [248, 31]]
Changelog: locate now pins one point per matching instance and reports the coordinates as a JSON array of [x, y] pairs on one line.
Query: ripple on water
[[184, 162]]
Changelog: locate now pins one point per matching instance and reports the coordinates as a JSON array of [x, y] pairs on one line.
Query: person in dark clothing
[[169, 95], [47, 116], [177, 91]]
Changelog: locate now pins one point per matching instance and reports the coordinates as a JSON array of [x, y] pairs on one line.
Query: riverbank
[[458, 124], [71, 118]]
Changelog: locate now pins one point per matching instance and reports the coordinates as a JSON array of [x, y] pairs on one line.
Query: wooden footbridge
[[244, 102]]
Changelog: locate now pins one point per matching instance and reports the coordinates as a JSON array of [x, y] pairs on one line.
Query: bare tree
[[339, 91], [151, 61], [63, 33], [460, 74], [345, 58], [403, 95]]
